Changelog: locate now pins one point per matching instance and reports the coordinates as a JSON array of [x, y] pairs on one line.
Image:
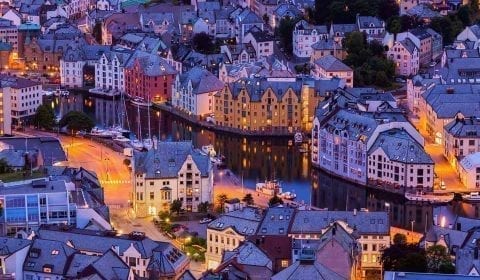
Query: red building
[[150, 77]]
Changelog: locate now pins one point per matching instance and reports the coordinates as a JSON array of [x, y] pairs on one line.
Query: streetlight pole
[[411, 233]]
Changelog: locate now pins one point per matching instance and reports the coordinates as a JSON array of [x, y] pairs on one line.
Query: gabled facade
[[406, 57], [305, 35]]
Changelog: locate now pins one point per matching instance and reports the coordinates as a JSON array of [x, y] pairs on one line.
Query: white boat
[[140, 102], [270, 188], [209, 150], [298, 137], [148, 143], [121, 139], [430, 197], [137, 144], [473, 196], [99, 132], [288, 195]]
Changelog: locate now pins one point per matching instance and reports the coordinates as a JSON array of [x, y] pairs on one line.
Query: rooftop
[[244, 221]]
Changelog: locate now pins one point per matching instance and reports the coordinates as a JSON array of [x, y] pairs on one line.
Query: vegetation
[[97, 32], [127, 162], [176, 206], [285, 32], [203, 43], [196, 247], [76, 121], [248, 199], [275, 200], [203, 207], [11, 176], [4, 167], [438, 260], [342, 11], [221, 198], [369, 62], [44, 117]]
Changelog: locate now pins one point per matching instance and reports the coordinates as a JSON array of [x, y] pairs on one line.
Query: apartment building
[[271, 104], [5, 113], [328, 67], [261, 41], [469, 171], [109, 70], [228, 231], [305, 35], [170, 171], [428, 42], [406, 57], [194, 91], [462, 138], [25, 97], [9, 33], [371, 26]]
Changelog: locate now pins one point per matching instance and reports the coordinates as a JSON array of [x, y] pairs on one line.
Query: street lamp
[[411, 232]]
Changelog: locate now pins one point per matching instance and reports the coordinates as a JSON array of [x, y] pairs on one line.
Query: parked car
[[205, 221]]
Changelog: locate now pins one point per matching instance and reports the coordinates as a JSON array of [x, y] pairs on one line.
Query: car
[[205, 221]]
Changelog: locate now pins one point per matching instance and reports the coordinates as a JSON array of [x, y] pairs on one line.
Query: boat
[[209, 150], [148, 143], [288, 195], [140, 102], [270, 188], [137, 144], [429, 197], [473, 196], [298, 137], [100, 132]]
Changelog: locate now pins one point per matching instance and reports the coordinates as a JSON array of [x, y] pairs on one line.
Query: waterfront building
[[109, 70], [462, 138], [370, 229], [329, 66], [469, 171], [25, 97], [150, 77], [228, 231], [271, 104], [194, 91], [170, 171], [305, 35], [405, 55]]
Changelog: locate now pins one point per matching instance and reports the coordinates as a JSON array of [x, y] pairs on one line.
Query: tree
[[202, 43], [388, 9], [221, 198], [127, 162], [437, 257], [394, 25], [4, 167], [275, 200], [399, 239], [248, 199], [176, 206], [76, 121], [404, 257], [44, 117], [203, 207], [97, 32], [285, 32], [464, 15]]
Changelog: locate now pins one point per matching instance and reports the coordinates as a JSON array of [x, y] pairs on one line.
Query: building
[[5, 113], [339, 31], [372, 231], [261, 41], [25, 97], [115, 25], [271, 104], [327, 47], [228, 231], [149, 77], [428, 42], [239, 53], [398, 160], [170, 171], [328, 67], [462, 138], [305, 35], [467, 257], [472, 34], [109, 70], [245, 21], [9, 33], [406, 57], [194, 91], [371, 26], [14, 251], [406, 5], [416, 86], [469, 171]]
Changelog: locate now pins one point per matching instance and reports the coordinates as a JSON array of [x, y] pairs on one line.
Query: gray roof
[[448, 100], [369, 22], [248, 17], [343, 29], [248, 254], [42, 185], [9, 245], [332, 64], [408, 45], [244, 221], [208, 6], [109, 267], [151, 64], [464, 128], [308, 28], [399, 146], [326, 44], [453, 238], [287, 10], [202, 80], [166, 260], [14, 158], [261, 35], [168, 158], [276, 221], [422, 11], [312, 221], [95, 241], [458, 53], [465, 260], [85, 53], [48, 253], [78, 262], [462, 70], [301, 271], [17, 82], [394, 275]]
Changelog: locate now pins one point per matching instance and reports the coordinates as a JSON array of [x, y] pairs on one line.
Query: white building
[[305, 35], [14, 252], [371, 26], [5, 113], [228, 231], [469, 171], [25, 96], [406, 57], [194, 91], [109, 70], [462, 138], [171, 171], [261, 41]]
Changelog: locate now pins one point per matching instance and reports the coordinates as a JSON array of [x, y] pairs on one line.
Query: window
[[152, 195], [284, 263], [54, 252], [132, 262], [365, 247]]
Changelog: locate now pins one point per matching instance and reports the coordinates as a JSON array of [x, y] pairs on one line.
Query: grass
[[18, 176]]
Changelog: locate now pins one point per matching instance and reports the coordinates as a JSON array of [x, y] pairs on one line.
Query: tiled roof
[[166, 260], [48, 254], [276, 221], [202, 81], [471, 161], [464, 128], [465, 260], [151, 64], [331, 64], [9, 245], [369, 22], [408, 45], [343, 29], [49, 147], [244, 221], [308, 28], [300, 271], [422, 11], [248, 254], [448, 100]]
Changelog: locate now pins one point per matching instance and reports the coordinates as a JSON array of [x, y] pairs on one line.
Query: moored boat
[[270, 188], [288, 195], [430, 197], [209, 150], [473, 196], [140, 102], [298, 137]]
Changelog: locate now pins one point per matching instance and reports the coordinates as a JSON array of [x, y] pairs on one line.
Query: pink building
[[406, 57]]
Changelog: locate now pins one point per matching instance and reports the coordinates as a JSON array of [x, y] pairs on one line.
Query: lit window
[[284, 263], [54, 252]]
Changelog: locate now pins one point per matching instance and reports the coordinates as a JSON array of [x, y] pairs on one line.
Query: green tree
[[76, 121], [4, 167], [322, 11], [399, 239], [221, 198], [176, 206], [248, 199], [44, 117], [97, 32], [464, 14], [394, 25], [285, 32], [388, 9], [203, 207], [437, 257], [203, 43], [275, 200], [404, 257]]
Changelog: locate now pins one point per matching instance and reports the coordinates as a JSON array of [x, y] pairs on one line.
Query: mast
[[139, 128], [148, 114]]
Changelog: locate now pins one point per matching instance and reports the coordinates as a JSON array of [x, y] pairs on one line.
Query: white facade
[[25, 99], [71, 73], [105, 5], [469, 171], [78, 8], [407, 62], [262, 48], [109, 73], [219, 241], [13, 16], [12, 264], [5, 113], [304, 36]]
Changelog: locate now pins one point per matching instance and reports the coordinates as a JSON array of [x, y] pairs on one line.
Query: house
[[339, 31], [469, 171], [472, 34], [109, 70], [305, 35], [245, 21], [462, 138], [328, 67], [149, 76], [283, 11], [107, 5], [117, 24], [19, 90], [13, 15], [406, 57], [423, 13], [158, 23], [173, 170], [467, 260], [12, 254], [228, 231], [265, 9], [327, 47], [406, 5], [371, 26], [194, 91], [428, 42], [261, 41], [224, 27], [416, 86], [239, 53]]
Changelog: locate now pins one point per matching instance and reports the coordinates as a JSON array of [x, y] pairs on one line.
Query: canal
[[258, 159]]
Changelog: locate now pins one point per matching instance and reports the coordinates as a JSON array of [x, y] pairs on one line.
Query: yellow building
[[271, 104]]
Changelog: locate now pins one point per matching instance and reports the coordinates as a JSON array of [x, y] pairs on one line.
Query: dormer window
[[48, 268], [54, 252]]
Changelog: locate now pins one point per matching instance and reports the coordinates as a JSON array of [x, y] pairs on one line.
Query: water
[[258, 159]]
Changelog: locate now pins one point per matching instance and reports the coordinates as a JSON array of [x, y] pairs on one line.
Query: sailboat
[[147, 142], [136, 143]]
